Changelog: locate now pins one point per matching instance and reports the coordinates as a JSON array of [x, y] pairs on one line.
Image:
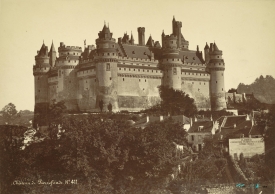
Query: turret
[[52, 55], [171, 62], [65, 69], [141, 36], [216, 69], [40, 72], [106, 70], [181, 42]]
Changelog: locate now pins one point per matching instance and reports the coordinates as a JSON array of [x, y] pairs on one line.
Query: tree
[[174, 102], [105, 156], [232, 90], [9, 112]]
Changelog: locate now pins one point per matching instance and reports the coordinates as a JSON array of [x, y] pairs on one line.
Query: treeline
[[262, 88], [104, 156]]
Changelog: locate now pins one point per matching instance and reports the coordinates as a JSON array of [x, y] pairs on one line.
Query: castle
[[127, 75]]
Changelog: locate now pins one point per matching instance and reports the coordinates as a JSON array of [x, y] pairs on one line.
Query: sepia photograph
[[137, 97]]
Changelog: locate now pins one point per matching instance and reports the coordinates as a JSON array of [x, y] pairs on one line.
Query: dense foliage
[[267, 122], [208, 168], [104, 156], [262, 88], [174, 102]]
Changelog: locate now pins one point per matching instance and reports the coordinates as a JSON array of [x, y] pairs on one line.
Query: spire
[[150, 41], [206, 46], [162, 33], [52, 48], [174, 18], [132, 38]]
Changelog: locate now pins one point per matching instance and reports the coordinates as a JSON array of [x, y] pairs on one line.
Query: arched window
[[108, 67], [174, 71]]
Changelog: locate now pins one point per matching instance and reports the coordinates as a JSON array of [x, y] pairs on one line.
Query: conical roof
[[43, 50], [52, 48], [105, 33], [215, 47], [150, 42], [206, 46]]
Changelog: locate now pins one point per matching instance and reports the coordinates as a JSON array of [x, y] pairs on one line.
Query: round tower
[[65, 66], [40, 72], [216, 68], [106, 70], [171, 62]]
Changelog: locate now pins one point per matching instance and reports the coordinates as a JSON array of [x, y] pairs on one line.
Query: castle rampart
[[127, 75]]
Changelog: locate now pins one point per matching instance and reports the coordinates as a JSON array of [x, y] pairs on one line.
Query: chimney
[[247, 118], [191, 122], [147, 119], [141, 36], [252, 122], [161, 118]]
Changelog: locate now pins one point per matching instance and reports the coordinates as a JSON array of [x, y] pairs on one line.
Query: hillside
[[262, 88]]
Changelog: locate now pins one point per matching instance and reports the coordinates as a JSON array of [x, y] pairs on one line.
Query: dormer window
[[200, 128]]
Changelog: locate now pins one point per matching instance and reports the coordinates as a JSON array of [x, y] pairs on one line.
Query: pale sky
[[243, 30]]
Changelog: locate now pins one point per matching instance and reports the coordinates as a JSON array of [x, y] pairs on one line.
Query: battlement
[[64, 48], [141, 29], [137, 59], [178, 24], [170, 37]]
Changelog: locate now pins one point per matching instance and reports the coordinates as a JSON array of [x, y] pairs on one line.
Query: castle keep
[[126, 74]]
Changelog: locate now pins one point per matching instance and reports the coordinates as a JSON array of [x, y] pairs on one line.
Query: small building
[[248, 146], [183, 120], [236, 129], [199, 130]]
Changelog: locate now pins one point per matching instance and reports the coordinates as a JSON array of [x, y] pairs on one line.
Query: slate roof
[[52, 48], [206, 46], [256, 130], [231, 120], [189, 56], [43, 51], [205, 127], [243, 126], [150, 42], [215, 47], [135, 51]]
